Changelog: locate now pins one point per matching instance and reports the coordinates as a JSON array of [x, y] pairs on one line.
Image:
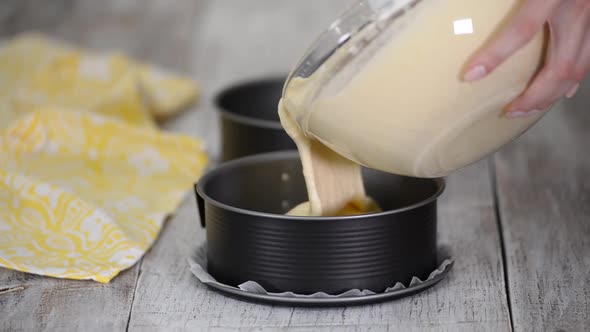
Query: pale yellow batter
[[401, 106]]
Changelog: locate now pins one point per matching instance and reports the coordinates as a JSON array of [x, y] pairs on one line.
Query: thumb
[[528, 20]]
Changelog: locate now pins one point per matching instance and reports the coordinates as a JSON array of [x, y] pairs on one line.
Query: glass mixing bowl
[[382, 86]]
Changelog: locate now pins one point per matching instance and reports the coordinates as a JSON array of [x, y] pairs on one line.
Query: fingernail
[[572, 91], [523, 114], [536, 112], [475, 73], [516, 114]]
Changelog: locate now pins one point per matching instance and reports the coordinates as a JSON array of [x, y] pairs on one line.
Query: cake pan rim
[[282, 155], [242, 119]]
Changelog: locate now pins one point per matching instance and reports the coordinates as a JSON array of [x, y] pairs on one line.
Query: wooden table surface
[[518, 224]]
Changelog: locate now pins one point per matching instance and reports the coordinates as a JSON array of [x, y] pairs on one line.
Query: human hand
[[568, 55]]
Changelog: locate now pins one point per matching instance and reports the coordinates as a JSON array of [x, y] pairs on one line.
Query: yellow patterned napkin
[[86, 180], [37, 72]]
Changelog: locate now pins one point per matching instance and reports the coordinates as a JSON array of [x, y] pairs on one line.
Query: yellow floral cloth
[[86, 179]]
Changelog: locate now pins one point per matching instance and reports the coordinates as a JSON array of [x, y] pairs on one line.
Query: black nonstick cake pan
[[249, 118], [242, 205]]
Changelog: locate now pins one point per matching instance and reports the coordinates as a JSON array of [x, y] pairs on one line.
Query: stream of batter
[[334, 183]]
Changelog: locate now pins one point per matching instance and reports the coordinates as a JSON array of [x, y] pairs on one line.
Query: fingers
[[526, 23], [569, 32], [541, 94], [583, 64], [566, 64], [572, 92], [582, 67]]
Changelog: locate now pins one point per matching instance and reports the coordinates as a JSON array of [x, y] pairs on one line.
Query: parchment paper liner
[[199, 270]]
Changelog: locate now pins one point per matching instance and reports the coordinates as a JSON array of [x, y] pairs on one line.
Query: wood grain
[[157, 31], [34, 303], [266, 37], [544, 190]]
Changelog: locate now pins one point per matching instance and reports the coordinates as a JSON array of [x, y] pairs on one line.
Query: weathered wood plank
[[33, 303], [544, 190], [152, 31], [237, 40]]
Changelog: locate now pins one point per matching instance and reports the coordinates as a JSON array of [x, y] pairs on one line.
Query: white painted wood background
[[518, 225]]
